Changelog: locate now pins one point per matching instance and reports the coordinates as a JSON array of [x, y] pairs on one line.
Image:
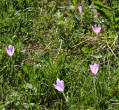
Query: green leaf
[[105, 13], [101, 5], [97, 56], [117, 20], [25, 68], [74, 2], [85, 50]]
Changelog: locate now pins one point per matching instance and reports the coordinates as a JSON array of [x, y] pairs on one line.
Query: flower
[[94, 69], [80, 9], [96, 29], [59, 85], [10, 50]]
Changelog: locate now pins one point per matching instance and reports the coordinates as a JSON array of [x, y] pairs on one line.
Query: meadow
[[59, 55]]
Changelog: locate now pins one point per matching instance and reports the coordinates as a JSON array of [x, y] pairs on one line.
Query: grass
[[52, 40]]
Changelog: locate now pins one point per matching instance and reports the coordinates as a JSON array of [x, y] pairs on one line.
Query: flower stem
[[81, 18], [94, 86], [11, 61], [11, 65], [66, 98]]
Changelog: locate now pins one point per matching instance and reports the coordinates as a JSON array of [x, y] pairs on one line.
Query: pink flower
[[59, 85], [10, 50], [96, 29], [94, 69], [80, 9]]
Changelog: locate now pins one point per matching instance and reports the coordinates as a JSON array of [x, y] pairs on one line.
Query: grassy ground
[[53, 40]]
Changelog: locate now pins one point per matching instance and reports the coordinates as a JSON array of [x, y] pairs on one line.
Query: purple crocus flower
[[96, 29], [94, 69], [59, 85], [10, 50], [80, 9]]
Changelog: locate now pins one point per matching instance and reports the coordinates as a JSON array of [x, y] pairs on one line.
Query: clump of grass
[[53, 40]]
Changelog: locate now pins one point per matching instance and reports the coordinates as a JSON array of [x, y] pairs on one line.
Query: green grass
[[52, 40]]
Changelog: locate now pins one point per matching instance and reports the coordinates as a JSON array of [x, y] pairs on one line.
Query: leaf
[[1, 79], [117, 20], [30, 86], [85, 50], [101, 5], [25, 68], [105, 13], [97, 56], [116, 7], [74, 2]]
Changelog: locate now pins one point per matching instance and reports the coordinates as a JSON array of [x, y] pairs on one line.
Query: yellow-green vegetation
[[73, 42]]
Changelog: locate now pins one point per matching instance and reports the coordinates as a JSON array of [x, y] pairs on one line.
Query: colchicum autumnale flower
[[80, 9], [94, 69], [59, 85], [10, 50], [96, 29]]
